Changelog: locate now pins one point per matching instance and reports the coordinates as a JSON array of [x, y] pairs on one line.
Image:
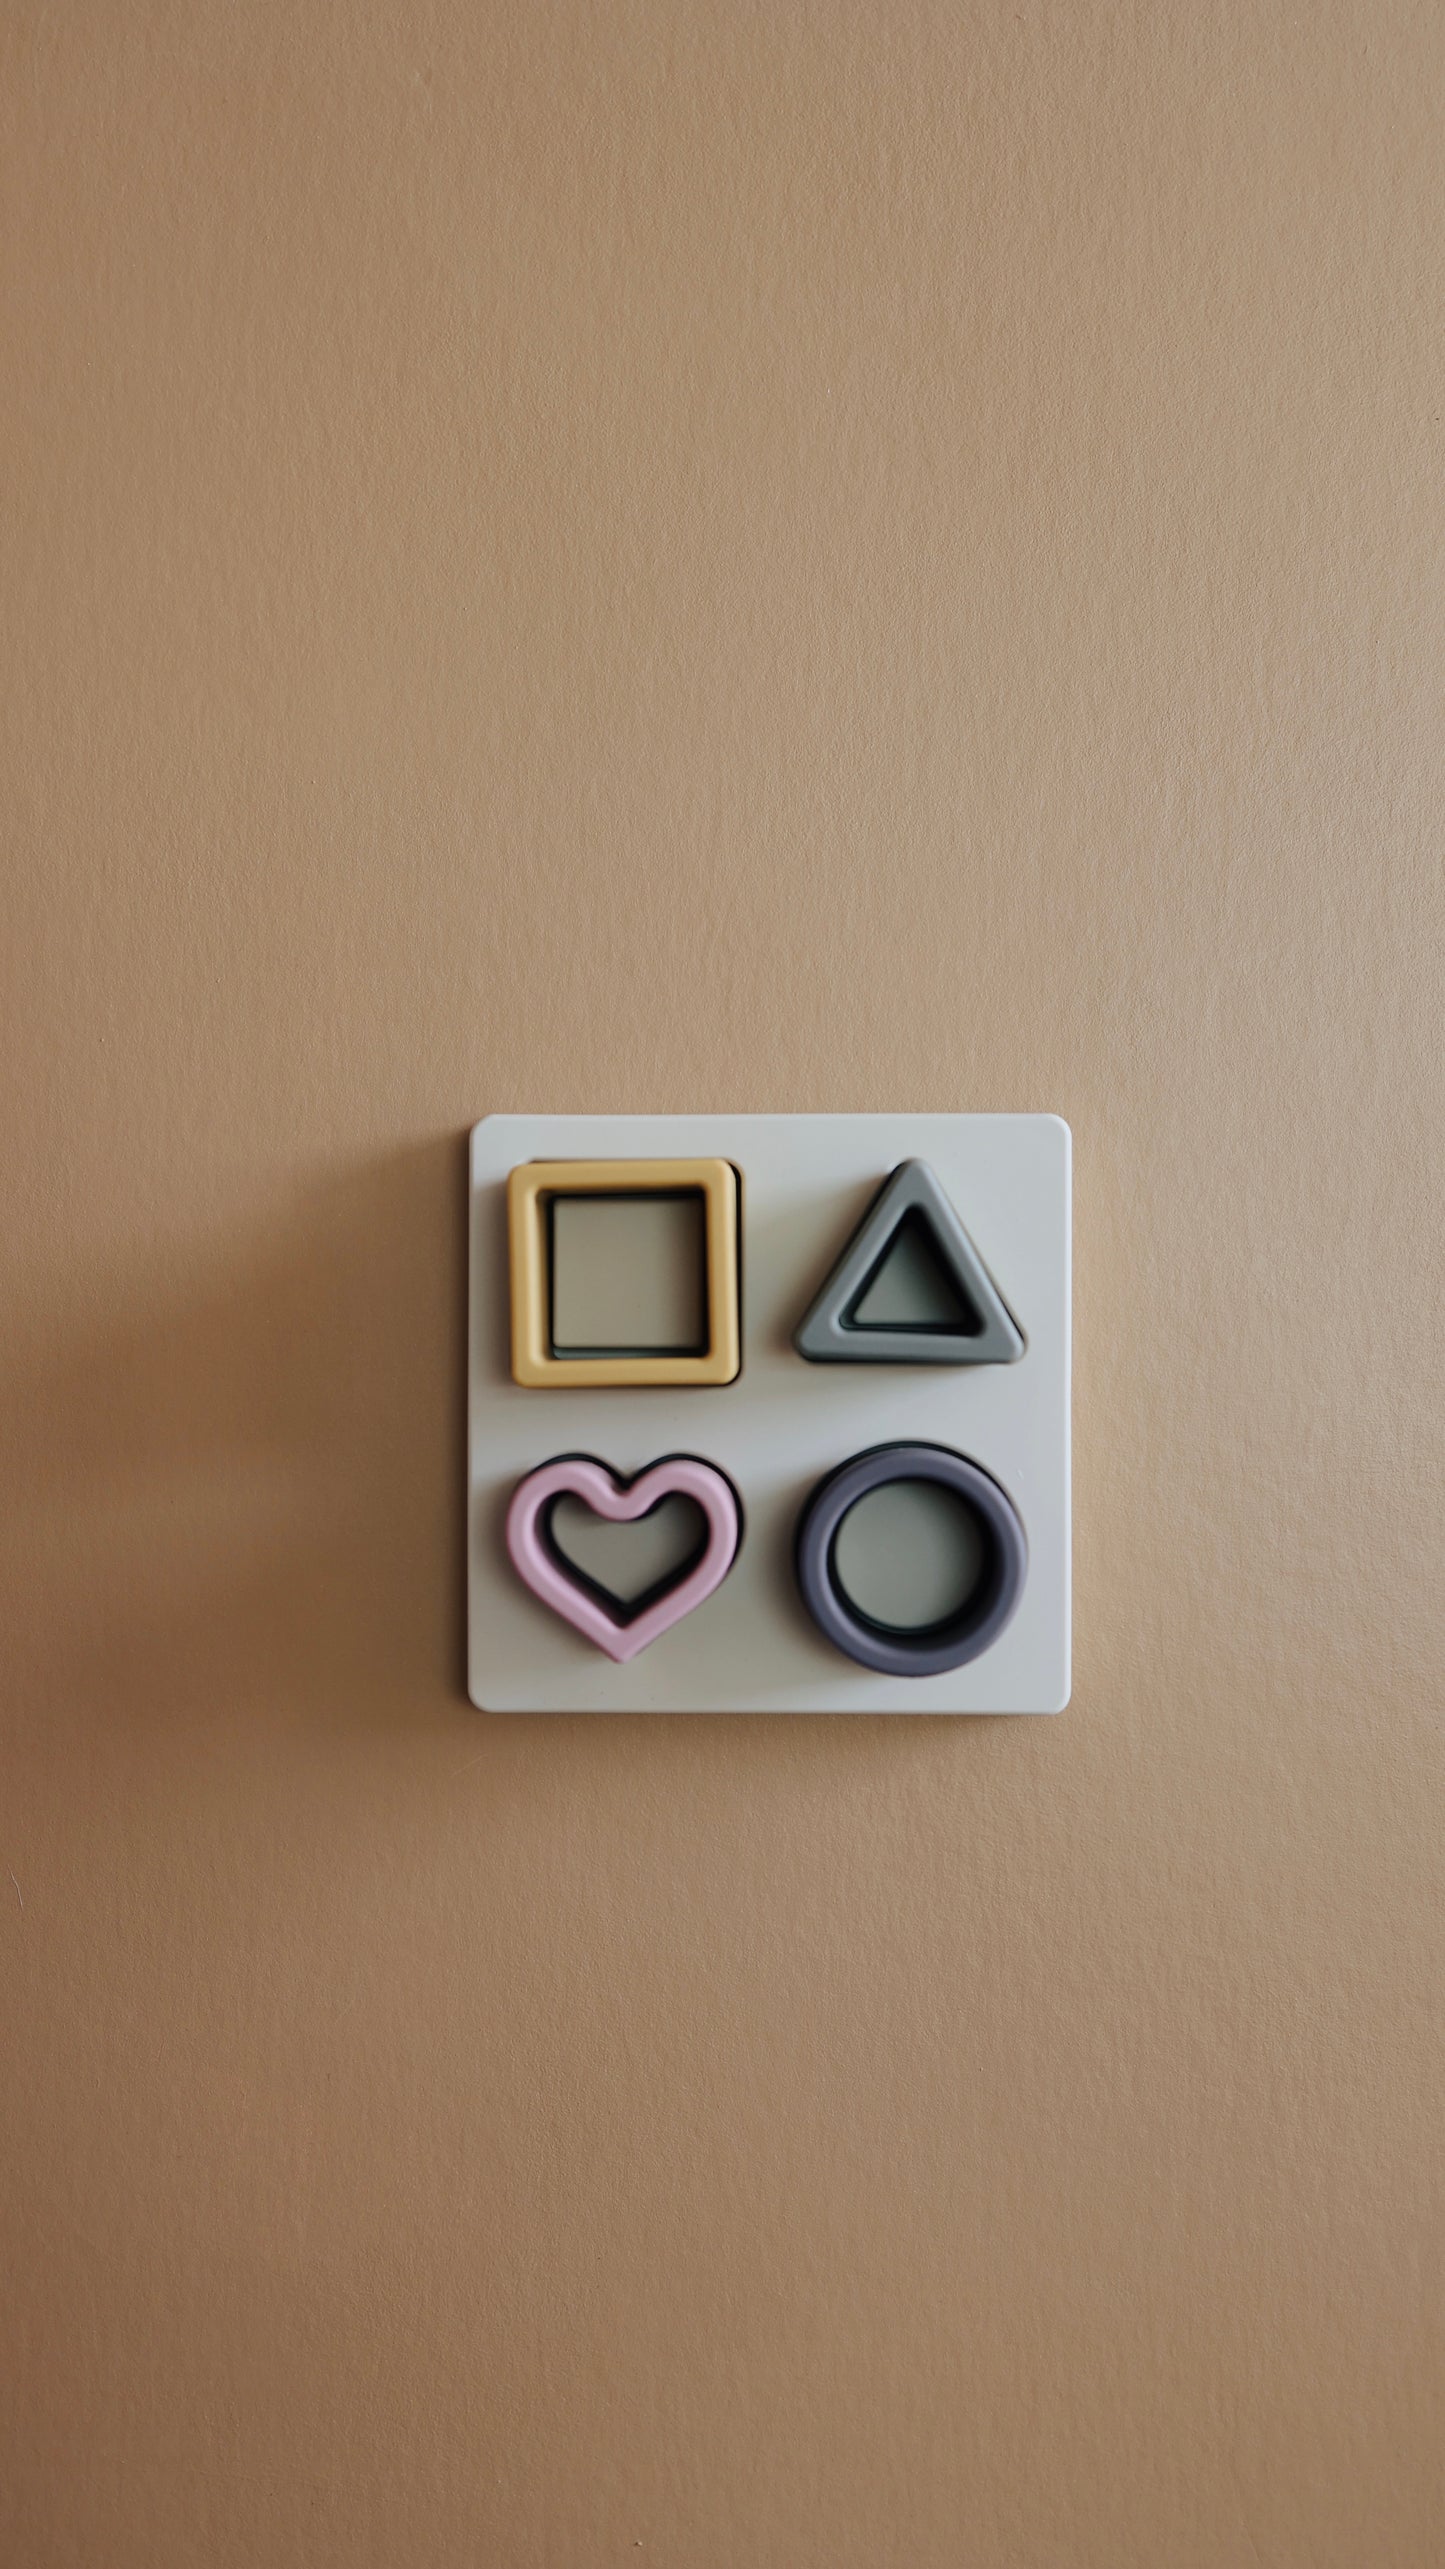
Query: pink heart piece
[[538, 1563]]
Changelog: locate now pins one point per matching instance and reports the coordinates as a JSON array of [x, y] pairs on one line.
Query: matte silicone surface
[[536, 1366], [558, 1584], [831, 1332]]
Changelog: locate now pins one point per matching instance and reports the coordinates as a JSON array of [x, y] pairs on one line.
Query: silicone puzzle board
[[806, 1184]]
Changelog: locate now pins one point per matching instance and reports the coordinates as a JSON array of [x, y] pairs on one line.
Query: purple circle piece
[[929, 1649]]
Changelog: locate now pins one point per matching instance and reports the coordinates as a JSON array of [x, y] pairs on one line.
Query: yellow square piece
[[531, 1191]]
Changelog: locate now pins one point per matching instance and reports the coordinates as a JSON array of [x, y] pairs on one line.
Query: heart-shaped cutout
[[628, 1563], [618, 1628]]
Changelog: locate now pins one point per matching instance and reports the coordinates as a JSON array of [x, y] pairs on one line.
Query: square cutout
[[629, 1275], [624, 1273]]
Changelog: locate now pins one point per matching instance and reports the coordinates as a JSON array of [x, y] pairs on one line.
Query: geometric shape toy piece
[[992, 1598], [532, 1190], [622, 1630], [945, 1308]]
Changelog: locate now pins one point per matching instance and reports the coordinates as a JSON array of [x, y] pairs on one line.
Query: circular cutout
[[908, 1555], [973, 1624]]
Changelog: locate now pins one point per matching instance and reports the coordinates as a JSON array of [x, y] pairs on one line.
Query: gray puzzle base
[[807, 1183]]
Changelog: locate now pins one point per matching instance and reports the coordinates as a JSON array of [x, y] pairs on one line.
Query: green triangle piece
[[910, 1288]]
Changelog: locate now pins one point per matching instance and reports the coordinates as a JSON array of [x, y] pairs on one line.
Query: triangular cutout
[[910, 1288], [913, 1287]]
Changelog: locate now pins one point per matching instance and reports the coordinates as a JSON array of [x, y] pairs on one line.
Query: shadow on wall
[[234, 1493], [240, 1490]]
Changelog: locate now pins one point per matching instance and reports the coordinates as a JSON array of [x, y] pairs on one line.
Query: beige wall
[[647, 557]]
